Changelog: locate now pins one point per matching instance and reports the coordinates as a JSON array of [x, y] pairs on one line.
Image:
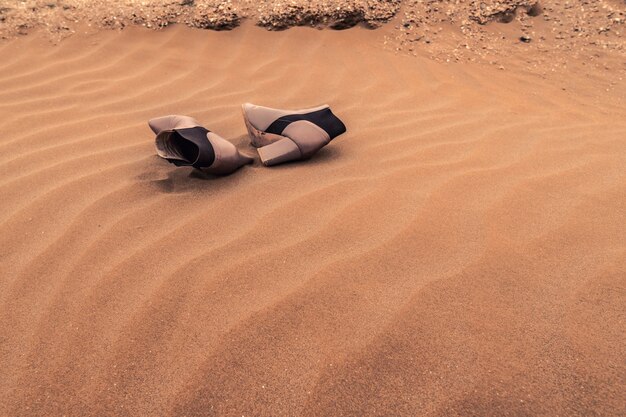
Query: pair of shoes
[[280, 136]]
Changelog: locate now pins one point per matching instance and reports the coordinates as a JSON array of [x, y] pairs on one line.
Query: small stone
[[525, 38]]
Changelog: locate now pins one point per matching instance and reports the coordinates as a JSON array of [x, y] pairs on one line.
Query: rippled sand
[[460, 251]]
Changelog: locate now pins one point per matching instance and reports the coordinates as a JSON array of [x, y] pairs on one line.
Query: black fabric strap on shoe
[[323, 118], [198, 136]]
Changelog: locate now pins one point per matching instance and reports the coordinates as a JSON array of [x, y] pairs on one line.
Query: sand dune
[[460, 251]]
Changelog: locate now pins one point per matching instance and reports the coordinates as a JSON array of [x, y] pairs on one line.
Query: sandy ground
[[460, 251]]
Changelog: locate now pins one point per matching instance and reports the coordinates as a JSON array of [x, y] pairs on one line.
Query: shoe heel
[[284, 150], [257, 137]]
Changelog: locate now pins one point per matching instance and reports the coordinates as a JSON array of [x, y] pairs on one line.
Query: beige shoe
[[290, 135], [182, 141]]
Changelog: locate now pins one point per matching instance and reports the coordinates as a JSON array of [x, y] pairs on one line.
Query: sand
[[460, 251]]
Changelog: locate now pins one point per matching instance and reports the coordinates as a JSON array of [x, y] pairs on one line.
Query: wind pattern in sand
[[461, 250]]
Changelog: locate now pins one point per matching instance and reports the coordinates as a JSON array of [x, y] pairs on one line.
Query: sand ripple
[[459, 252]]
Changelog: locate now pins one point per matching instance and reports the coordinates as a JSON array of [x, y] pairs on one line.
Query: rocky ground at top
[[550, 32], [457, 30], [60, 16]]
